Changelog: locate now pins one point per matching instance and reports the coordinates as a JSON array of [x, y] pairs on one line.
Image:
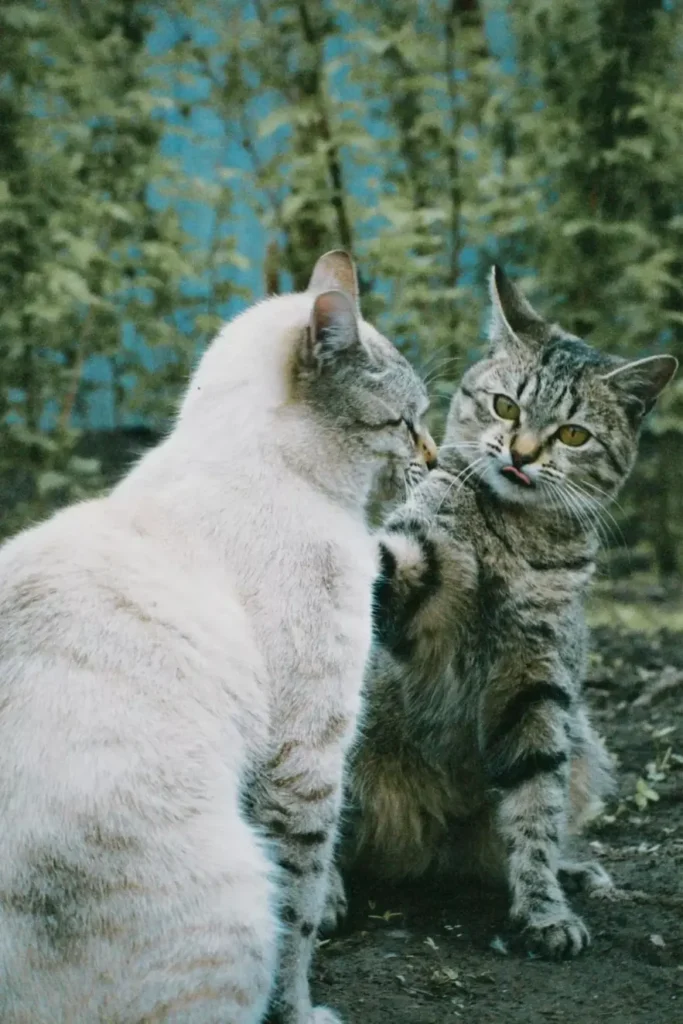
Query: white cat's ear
[[514, 322], [335, 271], [333, 327], [643, 379]]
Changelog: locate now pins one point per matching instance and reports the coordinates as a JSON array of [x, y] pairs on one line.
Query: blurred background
[[162, 165]]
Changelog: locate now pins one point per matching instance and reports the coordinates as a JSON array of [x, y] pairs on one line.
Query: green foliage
[[84, 250], [413, 131]]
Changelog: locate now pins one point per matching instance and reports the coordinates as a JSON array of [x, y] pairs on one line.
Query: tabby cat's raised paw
[[416, 472]]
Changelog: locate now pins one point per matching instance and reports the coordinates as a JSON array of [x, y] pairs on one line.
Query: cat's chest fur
[[503, 584], [523, 567]]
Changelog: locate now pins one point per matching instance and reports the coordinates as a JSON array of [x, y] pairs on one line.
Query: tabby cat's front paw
[[555, 936], [415, 473]]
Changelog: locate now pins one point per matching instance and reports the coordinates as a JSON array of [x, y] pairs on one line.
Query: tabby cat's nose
[[524, 449]]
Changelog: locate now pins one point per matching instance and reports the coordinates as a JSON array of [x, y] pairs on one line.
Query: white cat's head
[[355, 379], [312, 353]]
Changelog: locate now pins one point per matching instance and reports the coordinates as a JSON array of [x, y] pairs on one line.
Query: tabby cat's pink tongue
[[518, 475]]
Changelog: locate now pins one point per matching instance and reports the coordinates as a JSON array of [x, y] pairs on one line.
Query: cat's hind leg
[[132, 888], [336, 904], [585, 876], [218, 961], [107, 925]]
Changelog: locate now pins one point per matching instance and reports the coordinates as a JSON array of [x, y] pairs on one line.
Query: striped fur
[[477, 753]]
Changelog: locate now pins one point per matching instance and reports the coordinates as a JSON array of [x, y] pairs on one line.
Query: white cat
[[200, 630]]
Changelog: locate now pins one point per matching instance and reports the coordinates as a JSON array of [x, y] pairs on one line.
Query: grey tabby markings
[[477, 752]]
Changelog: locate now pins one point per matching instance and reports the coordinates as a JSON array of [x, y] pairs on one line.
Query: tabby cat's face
[[546, 420]]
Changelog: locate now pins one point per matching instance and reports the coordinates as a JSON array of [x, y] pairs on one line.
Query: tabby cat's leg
[[300, 807], [591, 780], [527, 755], [586, 876]]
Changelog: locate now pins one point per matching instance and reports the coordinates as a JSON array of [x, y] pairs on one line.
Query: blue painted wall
[[203, 157]]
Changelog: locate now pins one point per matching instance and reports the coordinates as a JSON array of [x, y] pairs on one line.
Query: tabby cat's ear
[[333, 327], [514, 322], [641, 382], [335, 271]]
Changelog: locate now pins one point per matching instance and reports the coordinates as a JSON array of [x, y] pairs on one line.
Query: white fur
[[156, 645]]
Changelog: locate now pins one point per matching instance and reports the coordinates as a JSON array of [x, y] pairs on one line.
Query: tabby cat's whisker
[[461, 479], [573, 509], [557, 507], [588, 513], [600, 513], [611, 498], [434, 371]]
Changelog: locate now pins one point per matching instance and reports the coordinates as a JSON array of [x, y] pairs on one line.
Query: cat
[[180, 673], [477, 752]]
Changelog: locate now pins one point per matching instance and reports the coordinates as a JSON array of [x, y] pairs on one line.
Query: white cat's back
[[94, 601]]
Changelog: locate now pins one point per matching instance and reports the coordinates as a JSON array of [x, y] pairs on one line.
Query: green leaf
[[51, 481], [275, 120], [83, 467]]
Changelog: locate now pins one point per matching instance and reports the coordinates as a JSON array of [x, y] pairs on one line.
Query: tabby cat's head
[[545, 419]]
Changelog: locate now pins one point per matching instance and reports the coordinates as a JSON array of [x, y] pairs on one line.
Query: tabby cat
[[201, 630], [477, 753]]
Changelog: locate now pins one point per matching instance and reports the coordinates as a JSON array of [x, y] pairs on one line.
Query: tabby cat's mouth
[[517, 476]]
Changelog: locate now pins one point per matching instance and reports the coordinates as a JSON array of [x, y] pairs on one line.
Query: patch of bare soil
[[419, 956]]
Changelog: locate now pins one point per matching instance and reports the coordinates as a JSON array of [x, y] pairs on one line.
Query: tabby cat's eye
[[572, 435], [505, 407]]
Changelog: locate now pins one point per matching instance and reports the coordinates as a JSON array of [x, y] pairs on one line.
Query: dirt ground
[[412, 956]]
